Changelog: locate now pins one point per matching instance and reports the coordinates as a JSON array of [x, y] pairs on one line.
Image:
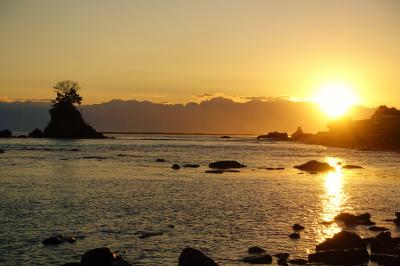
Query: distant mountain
[[217, 115]]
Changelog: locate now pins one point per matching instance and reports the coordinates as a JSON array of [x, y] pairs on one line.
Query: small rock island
[[66, 121]]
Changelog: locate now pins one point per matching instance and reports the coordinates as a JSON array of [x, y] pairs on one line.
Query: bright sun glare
[[336, 99]]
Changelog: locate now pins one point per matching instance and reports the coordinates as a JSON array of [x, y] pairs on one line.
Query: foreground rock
[[5, 133], [342, 240], [294, 235], [67, 122], [315, 166], [340, 257], [226, 165], [100, 257], [298, 261], [352, 220], [384, 243], [191, 165], [193, 257]]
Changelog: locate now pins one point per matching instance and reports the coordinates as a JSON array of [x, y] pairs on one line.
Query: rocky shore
[[343, 248]]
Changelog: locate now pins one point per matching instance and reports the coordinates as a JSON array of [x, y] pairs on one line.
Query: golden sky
[[171, 51]]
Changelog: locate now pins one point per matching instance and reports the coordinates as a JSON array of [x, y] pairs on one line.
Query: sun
[[335, 99]]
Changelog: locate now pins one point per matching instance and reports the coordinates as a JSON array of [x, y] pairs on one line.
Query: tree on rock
[[67, 92], [65, 120]]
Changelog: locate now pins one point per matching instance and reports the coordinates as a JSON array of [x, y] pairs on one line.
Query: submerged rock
[[191, 165], [315, 166], [294, 235], [298, 227], [1, 151], [351, 219], [226, 165], [258, 259], [351, 166], [5, 133], [214, 171], [193, 257], [340, 257], [151, 234], [58, 239], [225, 137], [255, 250], [36, 133], [160, 160], [175, 166], [342, 240]]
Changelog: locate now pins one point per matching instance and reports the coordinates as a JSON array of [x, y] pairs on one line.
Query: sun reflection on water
[[333, 199]]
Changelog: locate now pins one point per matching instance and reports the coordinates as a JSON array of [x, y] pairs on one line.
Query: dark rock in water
[[258, 259], [342, 240], [66, 122], [274, 136], [225, 137], [397, 220], [298, 227], [98, 257], [1, 151], [274, 168], [351, 166], [191, 165], [294, 235], [226, 165], [215, 171], [282, 261], [351, 220], [36, 133], [383, 259], [151, 234], [58, 239], [194, 257], [378, 228], [384, 243], [282, 255], [175, 166], [74, 149], [340, 257], [298, 261], [315, 166], [255, 250], [160, 160], [5, 133]]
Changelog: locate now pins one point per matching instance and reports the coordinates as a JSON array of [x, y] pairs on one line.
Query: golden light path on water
[[332, 200]]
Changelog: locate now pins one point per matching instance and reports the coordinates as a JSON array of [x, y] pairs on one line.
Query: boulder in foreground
[[315, 166], [340, 257], [342, 240], [193, 257], [226, 165]]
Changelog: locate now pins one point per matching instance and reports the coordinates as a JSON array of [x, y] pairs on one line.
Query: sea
[[111, 192]]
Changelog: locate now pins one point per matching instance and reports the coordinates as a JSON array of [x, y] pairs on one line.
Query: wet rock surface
[[255, 250], [258, 259], [175, 166], [342, 240], [352, 220], [315, 167], [340, 257], [226, 165], [193, 257]]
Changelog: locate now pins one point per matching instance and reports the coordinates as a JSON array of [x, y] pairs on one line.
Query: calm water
[[112, 190]]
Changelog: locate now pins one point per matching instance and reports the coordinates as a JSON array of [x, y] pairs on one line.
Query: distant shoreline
[[175, 133]]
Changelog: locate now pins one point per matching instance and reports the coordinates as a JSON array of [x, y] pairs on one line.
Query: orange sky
[[171, 51]]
